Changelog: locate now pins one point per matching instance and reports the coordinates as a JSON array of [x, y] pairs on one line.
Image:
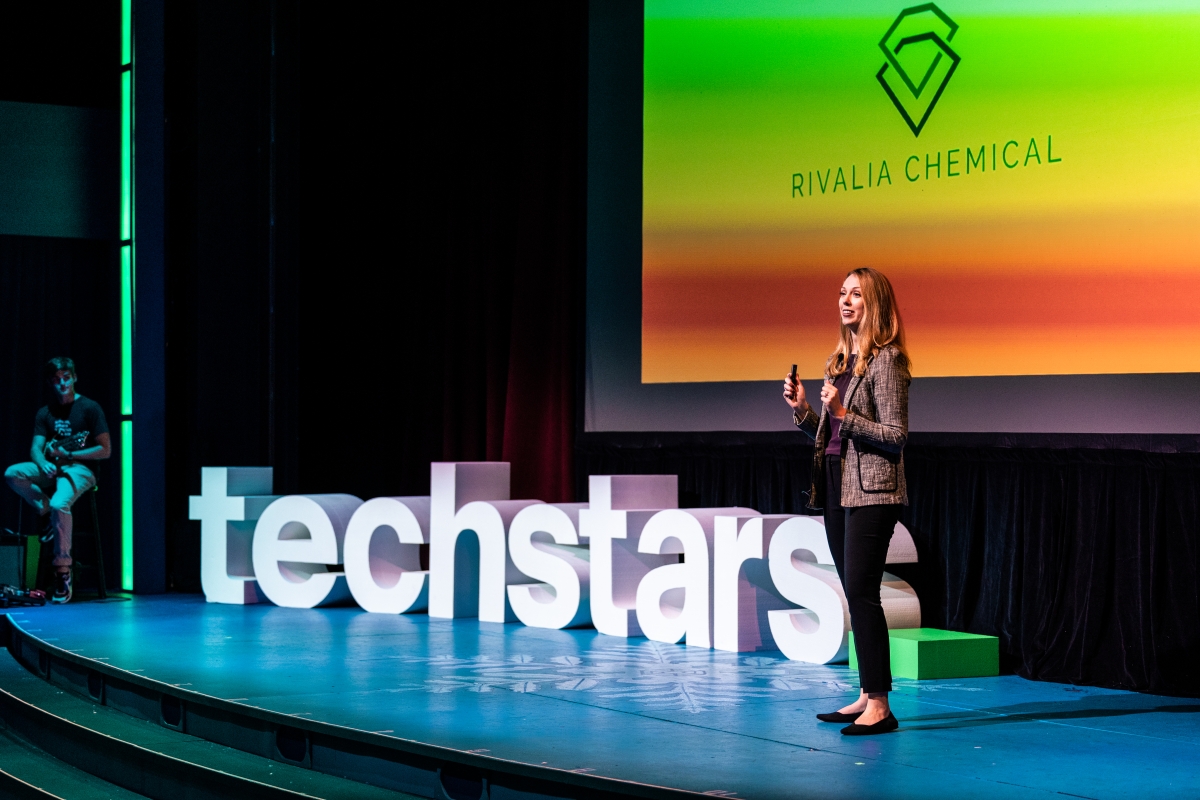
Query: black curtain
[[218, 370], [434, 210], [764, 471], [60, 297], [1085, 562], [376, 230], [64, 53]]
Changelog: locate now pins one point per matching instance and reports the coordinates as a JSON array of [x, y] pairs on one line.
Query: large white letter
[[743, 592], [471, 497], [561, 599], [296, 538], [619, 507], [816, 633], [230, 500], [901, 607], [803, 572], [383, 567], [675, 601]]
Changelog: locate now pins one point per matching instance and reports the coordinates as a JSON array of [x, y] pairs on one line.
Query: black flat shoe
[[885, 725], [838, 716]]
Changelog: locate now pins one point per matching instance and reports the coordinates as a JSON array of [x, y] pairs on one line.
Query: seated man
[[66, 432]]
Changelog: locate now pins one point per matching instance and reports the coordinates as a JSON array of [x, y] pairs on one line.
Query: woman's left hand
[[833, 403]]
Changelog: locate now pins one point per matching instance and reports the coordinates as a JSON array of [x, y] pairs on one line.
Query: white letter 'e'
[[296, 538]]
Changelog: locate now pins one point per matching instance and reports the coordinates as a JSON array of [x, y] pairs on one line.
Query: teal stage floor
[[664, 714]]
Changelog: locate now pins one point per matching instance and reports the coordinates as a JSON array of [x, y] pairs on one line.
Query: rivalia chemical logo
[[919, 62]]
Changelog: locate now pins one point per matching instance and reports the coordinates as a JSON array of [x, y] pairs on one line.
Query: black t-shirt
[[56, 420]]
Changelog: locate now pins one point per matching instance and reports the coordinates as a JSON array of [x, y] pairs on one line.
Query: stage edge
[[385, 761]]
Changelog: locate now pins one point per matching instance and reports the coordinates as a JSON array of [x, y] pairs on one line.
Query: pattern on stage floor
[[648, 674], [665, 714]]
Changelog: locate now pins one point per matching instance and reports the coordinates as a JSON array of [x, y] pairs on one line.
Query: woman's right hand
[[793, 393]]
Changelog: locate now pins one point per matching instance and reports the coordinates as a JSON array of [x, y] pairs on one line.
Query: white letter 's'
[[560, 600]]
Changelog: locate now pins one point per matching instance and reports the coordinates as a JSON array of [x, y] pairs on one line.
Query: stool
[[101, 583], [43, 570]]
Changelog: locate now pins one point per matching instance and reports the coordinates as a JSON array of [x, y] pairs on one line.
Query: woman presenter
[[858, 474]]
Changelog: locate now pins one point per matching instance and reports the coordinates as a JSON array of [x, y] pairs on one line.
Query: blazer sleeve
[[808, 423], [889, 385]]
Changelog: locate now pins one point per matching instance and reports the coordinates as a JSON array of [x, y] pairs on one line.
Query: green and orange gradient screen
[[1026, 173]]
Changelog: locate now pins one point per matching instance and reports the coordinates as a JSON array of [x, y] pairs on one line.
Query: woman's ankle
[[858, 705]]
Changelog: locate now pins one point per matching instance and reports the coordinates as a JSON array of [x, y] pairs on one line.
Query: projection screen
[[1027, 174]]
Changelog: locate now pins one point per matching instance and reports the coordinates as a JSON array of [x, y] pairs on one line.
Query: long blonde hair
[[880, 326]]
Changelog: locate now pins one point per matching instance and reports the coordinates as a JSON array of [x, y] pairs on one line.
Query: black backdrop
[[375, 244], [1084, 562]]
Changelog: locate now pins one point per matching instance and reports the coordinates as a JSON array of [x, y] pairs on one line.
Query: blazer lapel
[[854, 382]]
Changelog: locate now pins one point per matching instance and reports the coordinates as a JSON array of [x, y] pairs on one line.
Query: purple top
[[841, 382]]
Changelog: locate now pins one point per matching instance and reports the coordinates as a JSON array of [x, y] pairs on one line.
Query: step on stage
[[474, 709]]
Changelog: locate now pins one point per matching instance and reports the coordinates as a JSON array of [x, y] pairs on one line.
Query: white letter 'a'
[[383, 560], [663, 615]]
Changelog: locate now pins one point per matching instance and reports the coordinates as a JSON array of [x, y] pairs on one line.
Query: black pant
[[858, 539]]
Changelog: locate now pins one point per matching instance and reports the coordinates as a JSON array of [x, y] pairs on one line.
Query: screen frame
[[615, 399]]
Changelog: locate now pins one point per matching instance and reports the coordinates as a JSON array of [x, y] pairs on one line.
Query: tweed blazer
[[874, 429]]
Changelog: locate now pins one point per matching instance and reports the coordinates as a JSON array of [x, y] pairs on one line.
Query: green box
[[929, 653]]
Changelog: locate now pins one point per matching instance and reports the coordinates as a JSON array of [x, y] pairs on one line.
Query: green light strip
[[127, 274], [127, 505], [126, 31], [126, 155], [126, 329]]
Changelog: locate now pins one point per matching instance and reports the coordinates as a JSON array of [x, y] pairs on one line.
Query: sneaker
[[48, 530], [62, 588]]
